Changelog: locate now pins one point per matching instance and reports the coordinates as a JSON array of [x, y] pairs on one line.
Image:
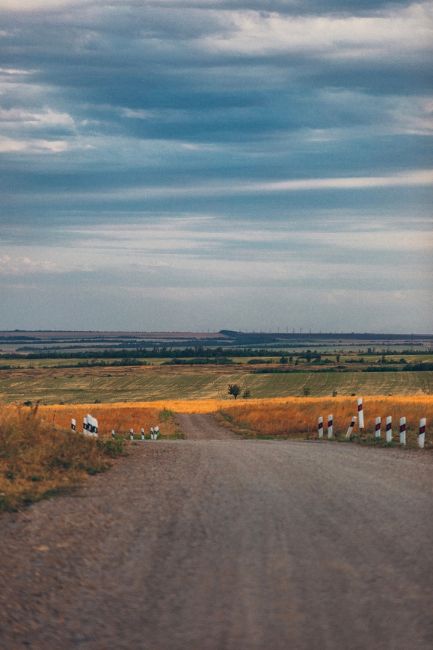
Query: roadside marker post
[[73, 424], [351, 426], [320, 427], [90, 426], [131, 434], [360, 414], [113, 433], [142, 433], [377, 431], [403, 431], [421, 433], [330, 426], [388, 433], [156, 430]]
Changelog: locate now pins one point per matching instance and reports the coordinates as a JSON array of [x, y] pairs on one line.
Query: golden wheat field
[[120, 417], [298, 416], [268, 416]]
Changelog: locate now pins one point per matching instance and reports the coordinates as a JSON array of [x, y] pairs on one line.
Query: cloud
[[213, 152], [394, 32]]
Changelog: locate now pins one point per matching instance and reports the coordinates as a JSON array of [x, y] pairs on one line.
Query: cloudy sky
[[200, 164]]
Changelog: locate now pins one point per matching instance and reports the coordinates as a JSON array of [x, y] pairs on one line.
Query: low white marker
[[360, 414], [378, 424], [73, 424], [330, 426], [403, 431], [113, 433], [142, 433], [351, 426], [85, 424], [131, 434], [320, 427], [388, 428], [421, 433]]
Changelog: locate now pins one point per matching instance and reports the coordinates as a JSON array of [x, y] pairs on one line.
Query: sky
[[203, 164]]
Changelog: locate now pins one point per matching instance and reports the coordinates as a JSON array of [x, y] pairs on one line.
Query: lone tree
[[234, 389]]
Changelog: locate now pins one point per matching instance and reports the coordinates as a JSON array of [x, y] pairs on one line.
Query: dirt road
[[227, 545], [202, 426]]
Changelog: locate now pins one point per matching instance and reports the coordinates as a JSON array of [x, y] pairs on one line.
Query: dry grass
[[297, 417], [38, 460], [120, 417]]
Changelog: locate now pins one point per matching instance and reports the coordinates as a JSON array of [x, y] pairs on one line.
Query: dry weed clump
[[297, 417], [38, 460]]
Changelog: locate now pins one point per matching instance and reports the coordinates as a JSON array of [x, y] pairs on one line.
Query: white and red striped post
[[388, 433], [73, 424], [360, 414], [330, 426], [320, 427], [403, 431], [351, 426], [142, 433], [131, 434], [377, 427], [421, 433]]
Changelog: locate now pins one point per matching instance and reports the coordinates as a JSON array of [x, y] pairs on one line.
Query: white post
[[113, 433], [142, 433], [73, 424], [351, 426], [403, 431], [330, 426], [156, 430], [377, 427], [389, 428], [85, 424], [360, 414], [320, 427], [421, 433], [151, 433], [131, 434]]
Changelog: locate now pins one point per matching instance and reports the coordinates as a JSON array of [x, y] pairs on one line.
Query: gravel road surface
[[227, 544]]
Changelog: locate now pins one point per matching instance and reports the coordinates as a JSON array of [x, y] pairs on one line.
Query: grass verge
[[38, 460], [297, 418]]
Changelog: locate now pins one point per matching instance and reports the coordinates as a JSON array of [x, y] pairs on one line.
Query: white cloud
[[410, 178], [24, 265], [24, 117], [12, 145], [33, 5], [395, 32]]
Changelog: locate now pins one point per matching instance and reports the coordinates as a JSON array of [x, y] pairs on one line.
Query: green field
[[52, 386]]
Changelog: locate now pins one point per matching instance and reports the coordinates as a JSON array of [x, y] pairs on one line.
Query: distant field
[[84, 385]]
